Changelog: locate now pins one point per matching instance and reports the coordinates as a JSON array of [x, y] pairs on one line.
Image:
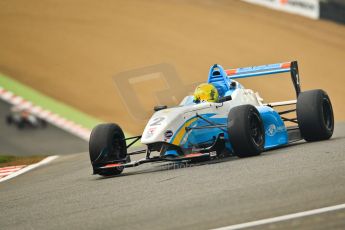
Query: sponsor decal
[[150, 132], [299, 3], [168, 134], [213, 153], [272, 130], [307, 8], [257, 68]]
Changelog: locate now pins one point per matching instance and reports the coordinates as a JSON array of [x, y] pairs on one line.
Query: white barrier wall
[[307, 8]]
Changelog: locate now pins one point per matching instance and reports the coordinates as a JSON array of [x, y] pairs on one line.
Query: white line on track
[[29, 167], [282, 218]]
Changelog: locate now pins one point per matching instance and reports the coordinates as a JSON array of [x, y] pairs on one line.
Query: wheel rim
[[117, 146], [327, 114], [256, 132]]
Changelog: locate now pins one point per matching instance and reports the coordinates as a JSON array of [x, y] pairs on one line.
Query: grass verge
[[8, 160], [49, 103]]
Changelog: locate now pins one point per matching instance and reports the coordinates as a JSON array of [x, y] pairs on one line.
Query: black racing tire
[[315, 115], [246, 131], [107, 143]]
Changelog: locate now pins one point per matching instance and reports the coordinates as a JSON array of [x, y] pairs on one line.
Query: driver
[[206, 92]]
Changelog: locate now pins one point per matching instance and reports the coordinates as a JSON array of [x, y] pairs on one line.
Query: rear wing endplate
[[256, 71]]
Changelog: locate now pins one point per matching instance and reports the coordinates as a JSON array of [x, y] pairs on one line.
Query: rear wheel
[[315, 115], [246, 131], [107, 143]]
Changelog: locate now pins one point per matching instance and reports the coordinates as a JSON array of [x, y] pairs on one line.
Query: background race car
[[21, 117]]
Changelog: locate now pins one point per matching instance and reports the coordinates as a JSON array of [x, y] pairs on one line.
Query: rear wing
[[256, 71]]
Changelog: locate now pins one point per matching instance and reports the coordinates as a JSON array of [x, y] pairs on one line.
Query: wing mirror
[[159, 107]]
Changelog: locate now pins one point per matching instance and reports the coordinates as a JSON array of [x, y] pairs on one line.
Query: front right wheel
[[246, 131]]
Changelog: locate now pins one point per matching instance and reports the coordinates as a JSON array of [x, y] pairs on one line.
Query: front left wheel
[[315, 115], [107, 144]]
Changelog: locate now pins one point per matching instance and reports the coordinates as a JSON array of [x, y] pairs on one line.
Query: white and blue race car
[[222, 118]]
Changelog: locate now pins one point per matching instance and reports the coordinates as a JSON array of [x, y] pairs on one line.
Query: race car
[[221, 118], [22, 117]]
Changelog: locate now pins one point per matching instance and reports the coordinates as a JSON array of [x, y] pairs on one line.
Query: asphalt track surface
[[40, 141], [64, 194]]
